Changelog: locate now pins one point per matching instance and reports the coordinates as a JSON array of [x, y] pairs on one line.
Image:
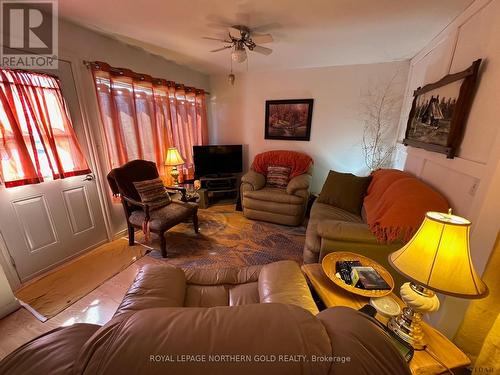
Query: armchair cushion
[[299, 183], [164, 217], [273, 195], [222, 287], [244, 294], [206, 296], [344, 190], [277, 176], [153, 192], [256, 180], [221, 276]]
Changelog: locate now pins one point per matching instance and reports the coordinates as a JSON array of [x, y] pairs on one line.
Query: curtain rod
[[88, 64]]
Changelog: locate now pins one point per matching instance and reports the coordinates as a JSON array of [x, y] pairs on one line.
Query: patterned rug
[[228, 239]]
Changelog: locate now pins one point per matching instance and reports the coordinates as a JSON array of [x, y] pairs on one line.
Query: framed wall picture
[[289, 119], [439, 112]]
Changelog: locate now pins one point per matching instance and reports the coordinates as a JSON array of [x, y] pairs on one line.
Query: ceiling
[[307, 33]]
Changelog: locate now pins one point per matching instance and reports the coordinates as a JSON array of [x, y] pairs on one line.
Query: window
[[143, 116], [37, 140]]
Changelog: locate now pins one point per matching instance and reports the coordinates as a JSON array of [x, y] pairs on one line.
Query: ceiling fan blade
[[220, 49], [266, 27], [261, 38], [239, 27], [217, 39], [263, 50]]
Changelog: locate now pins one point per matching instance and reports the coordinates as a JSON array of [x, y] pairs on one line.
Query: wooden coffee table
[[422, 362]]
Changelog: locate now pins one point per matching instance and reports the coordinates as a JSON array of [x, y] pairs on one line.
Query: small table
[[182, 189], [422, 362]]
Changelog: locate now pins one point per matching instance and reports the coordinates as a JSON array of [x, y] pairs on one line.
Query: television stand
[[220, 189], [218, 175]]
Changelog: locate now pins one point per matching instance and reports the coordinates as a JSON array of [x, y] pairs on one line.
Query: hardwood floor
[[97, 307]]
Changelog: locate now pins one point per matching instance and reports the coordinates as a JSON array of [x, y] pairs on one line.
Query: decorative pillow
[[153, 192], [277, 176], [345, 191]]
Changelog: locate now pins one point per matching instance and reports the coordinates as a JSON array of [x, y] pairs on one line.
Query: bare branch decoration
[[380, 108]]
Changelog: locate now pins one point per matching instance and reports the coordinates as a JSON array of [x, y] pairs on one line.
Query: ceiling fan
[[240, 38]]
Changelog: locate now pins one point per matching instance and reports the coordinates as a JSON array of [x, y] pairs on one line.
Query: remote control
[[343, 267]]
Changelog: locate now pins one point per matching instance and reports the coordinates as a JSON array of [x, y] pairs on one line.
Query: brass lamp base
[[408, 325], [175, 175]]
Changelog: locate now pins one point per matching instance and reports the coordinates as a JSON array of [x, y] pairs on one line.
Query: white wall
[[8, 281], [8, 303], [337, 127], [77, 44], [471, 181]]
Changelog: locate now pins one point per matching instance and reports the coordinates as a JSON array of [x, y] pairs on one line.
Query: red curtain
[[143, 116], [37, 139]]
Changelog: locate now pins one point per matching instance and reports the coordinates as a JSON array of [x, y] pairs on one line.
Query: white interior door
[[44, 224]]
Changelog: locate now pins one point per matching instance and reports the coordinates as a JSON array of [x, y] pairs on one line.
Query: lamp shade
[[173, 157], [438, 257]]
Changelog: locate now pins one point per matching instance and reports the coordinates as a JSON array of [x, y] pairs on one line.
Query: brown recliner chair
[[121, 180], [281, 206], [259, 319]]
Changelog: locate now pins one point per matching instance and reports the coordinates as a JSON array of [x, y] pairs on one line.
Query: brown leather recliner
[[281, 206], [259, 319]]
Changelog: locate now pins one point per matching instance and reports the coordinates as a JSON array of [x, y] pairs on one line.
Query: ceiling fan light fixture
[[239, 54]]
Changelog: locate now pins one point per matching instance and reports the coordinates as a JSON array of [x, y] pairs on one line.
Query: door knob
[[89, 177]]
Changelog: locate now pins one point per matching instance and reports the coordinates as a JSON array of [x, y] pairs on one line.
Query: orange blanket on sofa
[[297, 161], [396, 204]]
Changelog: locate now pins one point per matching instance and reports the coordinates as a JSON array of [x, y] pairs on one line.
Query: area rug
[[228, 239], [52, 293]]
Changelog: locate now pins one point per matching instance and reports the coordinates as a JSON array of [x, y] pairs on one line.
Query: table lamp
[[174, 159], [436, 259]]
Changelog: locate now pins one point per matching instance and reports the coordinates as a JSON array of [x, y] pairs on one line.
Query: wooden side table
[[181, 191], [422, 362]]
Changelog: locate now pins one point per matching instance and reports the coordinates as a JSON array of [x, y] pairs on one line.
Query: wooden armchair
[[159, 217]]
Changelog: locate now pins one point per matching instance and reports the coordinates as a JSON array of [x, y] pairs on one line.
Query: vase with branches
[[380, 110]]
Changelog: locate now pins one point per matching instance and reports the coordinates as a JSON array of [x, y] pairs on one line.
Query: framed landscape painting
[[439, 112], [289, 119]]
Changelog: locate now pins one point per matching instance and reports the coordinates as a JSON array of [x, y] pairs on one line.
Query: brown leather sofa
[[259, 319]]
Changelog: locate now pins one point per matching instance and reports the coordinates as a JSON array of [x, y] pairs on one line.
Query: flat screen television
[[217, 160]]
